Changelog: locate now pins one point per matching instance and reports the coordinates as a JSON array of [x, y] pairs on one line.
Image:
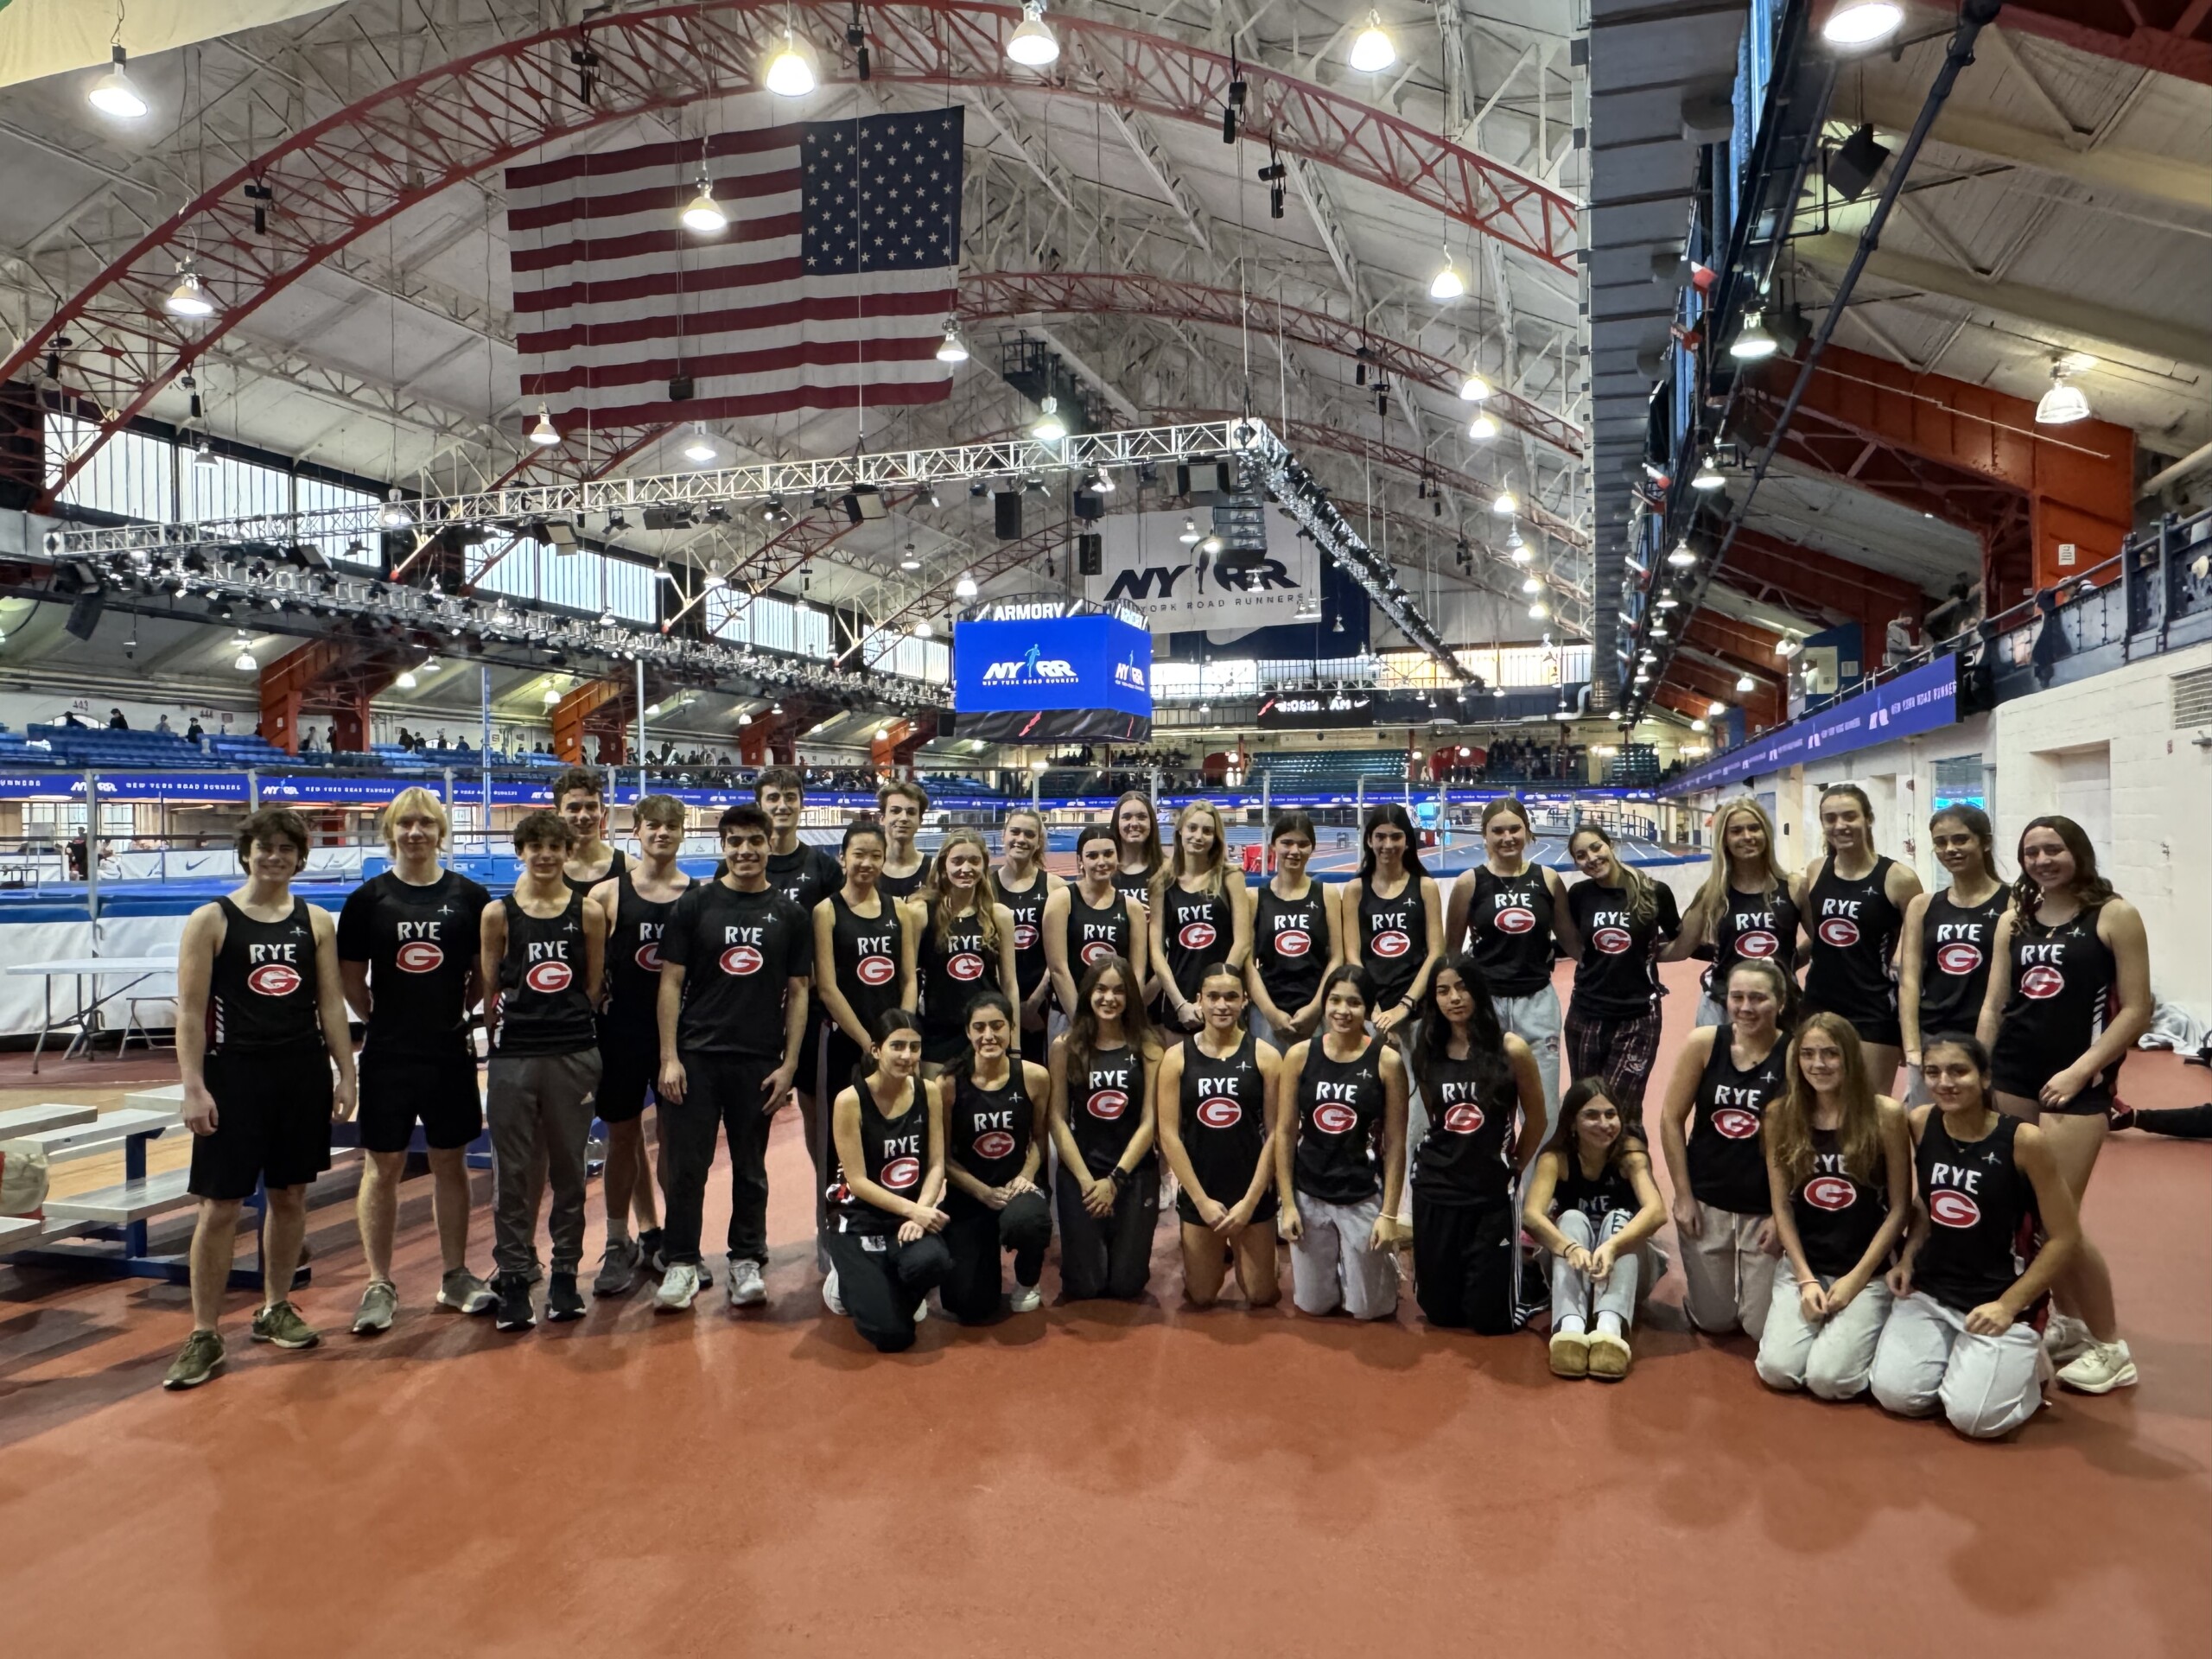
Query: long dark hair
[[1485, 1037], [2089, 888], [1563, 1140], [1975, 821], [1083, 1024], [964, 1067], [1389, 813], [889, 1021]]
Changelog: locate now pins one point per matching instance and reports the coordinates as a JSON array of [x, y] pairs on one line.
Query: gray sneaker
[[281, 1323], [746, 1288], [464, 1293], [618, 1268], [199, 1360], [378, 1303]]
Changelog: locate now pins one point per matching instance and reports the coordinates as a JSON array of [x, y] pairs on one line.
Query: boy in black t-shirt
[[735, 964]]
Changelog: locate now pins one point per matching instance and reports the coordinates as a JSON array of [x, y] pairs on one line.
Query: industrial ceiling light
[[2062, 404], [1474, 388], [406, 680], [910, 560], [1684, 555], [703, 216], [544, 435], [1714, 710], [115, 94], [1752, 341], [1786, 647], [394, 515], [1447, 283], [1189, 535], [1538, 611], [714, 579], [950, 349], [700, 451], [1862, 22], [1658, 628], [1513, 541], [1032, 44], [1482, 429], [1743, 683], [1530, 585], [793, 70], [1707, 476], [1212, 545], [923, 631], [1372, 48], [1050, 428], [883, 734], [1505, 506], [1102, 482], [189, 298], [552, 695], [965, 587], [244, 664], [1697, 726], [607, 618], [1667, 601], [203, 452], [430, 665]]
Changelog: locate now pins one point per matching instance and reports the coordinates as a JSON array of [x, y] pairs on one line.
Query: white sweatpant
[[1986, 1386], [1331, 1266], [1830, 1360], [1625, 1287], [1727, 1280]]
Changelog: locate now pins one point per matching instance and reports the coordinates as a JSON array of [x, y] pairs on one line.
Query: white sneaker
[[745, 1289], [1027, 1298], [2064, 1338], [921, 1309], [678, 1287], [829, 1295], [2101, 1367]]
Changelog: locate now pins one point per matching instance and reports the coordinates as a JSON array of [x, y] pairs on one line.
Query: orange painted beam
[[1763, 706], [337, 677], [581, 712], [1724, 636]]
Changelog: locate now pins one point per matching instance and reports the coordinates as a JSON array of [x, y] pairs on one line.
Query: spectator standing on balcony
[[162, 727], [194, 732]]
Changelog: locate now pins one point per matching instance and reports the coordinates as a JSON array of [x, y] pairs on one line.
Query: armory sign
[[1177, 586]]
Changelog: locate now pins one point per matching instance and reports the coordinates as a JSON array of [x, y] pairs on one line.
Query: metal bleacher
[[1333, 769], [98, 745]]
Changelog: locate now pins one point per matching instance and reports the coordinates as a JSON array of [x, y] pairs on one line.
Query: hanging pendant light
[[700, 451], [1684, 555], [965, 587], [1474, 388], [704, 215], [950, 349], [1482, 429], [115, 94], [793, 70], [1752, 341], [189, 299], [1372, 48], [552, 695], [1189, 535], [1447, 284], [1050, 428], [1505, 506], [544, 435], [2062, 404], [1862, 22], [1745, 683], [1031, 45], [1707, 476], [394, 515], [406, 681]]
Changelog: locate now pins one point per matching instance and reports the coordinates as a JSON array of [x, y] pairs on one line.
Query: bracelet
[[1120, 1177]]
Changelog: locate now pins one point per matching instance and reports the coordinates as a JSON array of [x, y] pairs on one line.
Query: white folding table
[[85, 1019]]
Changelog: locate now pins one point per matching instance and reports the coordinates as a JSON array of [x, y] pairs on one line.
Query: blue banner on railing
[[1919, 701]]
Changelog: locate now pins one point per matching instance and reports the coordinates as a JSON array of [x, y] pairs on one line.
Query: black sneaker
[[649, 1250], [562, 1300], [513, 1291]]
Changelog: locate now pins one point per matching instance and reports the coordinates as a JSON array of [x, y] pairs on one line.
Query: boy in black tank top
[[637, 905], [579, 796], [902, 804], [407, 951], [544, 953], [261, 1017], [805, 874]]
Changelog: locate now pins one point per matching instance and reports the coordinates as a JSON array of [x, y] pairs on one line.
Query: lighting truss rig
[[858, 480]]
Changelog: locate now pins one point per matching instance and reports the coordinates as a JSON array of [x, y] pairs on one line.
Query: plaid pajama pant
[[1620, 1050]]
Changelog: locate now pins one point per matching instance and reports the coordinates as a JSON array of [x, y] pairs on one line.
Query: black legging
[[976, 1236], [2184, 1122]]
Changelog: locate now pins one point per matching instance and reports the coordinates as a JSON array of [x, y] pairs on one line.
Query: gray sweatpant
[[1332, 1265], [539, 1110], [1830, 1360], [1573, 1294], [1535, 1020], [1727, 1280], [1986, 1386]]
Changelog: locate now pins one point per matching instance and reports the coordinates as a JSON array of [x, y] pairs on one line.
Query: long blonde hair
[[941, 899], [1216, 870], [1713, 898], [1788, 1127]]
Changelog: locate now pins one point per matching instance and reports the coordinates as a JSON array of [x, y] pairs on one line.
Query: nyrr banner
[[1149, 567]]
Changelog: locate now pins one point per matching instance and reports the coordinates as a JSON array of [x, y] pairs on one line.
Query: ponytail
[[889, 1021]]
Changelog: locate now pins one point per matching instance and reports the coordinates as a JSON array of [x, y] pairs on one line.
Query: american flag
[[830, 289]]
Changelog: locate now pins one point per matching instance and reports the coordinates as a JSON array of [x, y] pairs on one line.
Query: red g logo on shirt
[[1958, 957], [875, 970], [1334, 1117], [274, 979], [1219, 1113], [1757, 944], [742, 960], [1465, 1118], [1839, 932], [2041, 981], [1830, 1192], [1611, 941], [1949, 1209], [418, 957], [648, 957], [994, 1143], [1098, 951], [1196, 935], [1024, 935], [549, 976], [1107, 1104], [900, 1173], [966, 966], [1389, 943], [1515, 918], [1735, 1123], [1294, 942]]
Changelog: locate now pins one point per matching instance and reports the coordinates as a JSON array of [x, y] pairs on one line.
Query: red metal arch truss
[[346, 175], [992, 294]]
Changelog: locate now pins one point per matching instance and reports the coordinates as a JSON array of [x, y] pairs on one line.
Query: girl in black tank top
[[1292, 939], [1393, 935], [1092, 918], [1727, 1169], [1106, 1191], [263, 991], [1981, 1214], [2063, 991], [1592, 1205], [1213, 1134], [1754, 927], [1201, 927], [1511, 924], [1853, 927], [1956, 944], [543, 1007], [1026, 906], [887, 1237], [966, 944], [994, 1130]]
